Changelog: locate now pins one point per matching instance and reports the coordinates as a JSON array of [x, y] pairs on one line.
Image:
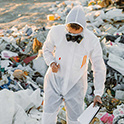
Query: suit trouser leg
[[74, 110], [52, 101], [50, 109], [74, 101]]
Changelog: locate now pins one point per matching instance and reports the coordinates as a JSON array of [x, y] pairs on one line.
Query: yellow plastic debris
[[91, 3], [50, 17]]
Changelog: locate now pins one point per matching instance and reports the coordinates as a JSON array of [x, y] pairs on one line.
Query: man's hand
[[54, 67], [97, 99]]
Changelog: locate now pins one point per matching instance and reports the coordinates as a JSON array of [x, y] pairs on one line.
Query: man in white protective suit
[[66, 51]]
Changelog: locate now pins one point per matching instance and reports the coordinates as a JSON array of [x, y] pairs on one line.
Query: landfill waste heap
[[22, 67]]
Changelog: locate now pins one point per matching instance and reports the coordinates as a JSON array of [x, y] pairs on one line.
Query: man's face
[[74, 35], [73, 31]]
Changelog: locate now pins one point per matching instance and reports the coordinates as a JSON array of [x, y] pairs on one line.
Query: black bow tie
[[76, 38]]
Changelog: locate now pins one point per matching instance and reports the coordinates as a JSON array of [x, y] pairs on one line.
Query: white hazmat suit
[[70, 82]]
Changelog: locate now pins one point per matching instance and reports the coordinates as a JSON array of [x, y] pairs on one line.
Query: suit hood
[[76, 15]]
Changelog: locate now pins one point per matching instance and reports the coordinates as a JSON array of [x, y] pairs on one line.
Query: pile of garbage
[[22, 70], [22, 67]]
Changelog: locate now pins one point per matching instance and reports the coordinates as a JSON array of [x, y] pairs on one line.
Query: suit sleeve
[[99, 68], [48, 48]]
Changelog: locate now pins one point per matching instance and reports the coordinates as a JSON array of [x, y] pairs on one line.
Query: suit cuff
[[51, 62], [98, 93]]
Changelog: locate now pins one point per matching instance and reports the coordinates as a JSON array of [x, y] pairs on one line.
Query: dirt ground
[[21, 12]]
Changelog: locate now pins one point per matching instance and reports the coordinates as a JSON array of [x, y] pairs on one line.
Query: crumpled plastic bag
[[116, 62], [7, 54], [39, 64], [11, 106], [111, 14], [6, 112], [119, 94], [28, 98], [10, 112], [119, 115], [4, 80]]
